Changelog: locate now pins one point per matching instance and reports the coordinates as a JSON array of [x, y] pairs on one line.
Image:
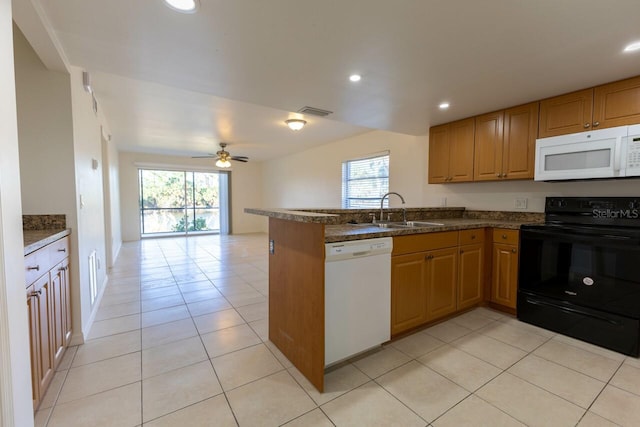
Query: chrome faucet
[[404, 211]]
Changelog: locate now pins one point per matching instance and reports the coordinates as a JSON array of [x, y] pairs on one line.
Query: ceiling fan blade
[[240, 159], [209, 156]]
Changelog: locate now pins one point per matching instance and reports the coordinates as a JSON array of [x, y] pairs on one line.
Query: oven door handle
[[578, 236], [571, 310]]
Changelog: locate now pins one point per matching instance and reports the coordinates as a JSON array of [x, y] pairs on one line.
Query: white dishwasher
[[357, 289]]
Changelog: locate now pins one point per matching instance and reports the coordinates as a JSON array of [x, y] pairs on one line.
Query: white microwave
[[606, 153]]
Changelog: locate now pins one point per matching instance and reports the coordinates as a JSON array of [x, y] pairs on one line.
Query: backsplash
[[505, 216], [44, 222]]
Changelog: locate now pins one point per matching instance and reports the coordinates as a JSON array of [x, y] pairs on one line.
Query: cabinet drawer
[[469, 237], [36, 264], [59, 250], [424, 242], [502, 235]]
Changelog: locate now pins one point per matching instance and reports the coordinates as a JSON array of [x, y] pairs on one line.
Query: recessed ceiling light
[[355, 77], [632, 47], [184, 6], [443, 106]]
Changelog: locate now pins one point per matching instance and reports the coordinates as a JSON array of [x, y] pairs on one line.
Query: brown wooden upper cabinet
[[451, 152], [605, 106], [505, 144]]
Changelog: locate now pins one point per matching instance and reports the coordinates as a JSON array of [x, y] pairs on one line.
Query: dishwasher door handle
[[363, 253]]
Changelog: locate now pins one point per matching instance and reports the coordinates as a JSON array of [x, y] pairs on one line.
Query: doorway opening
[[180, 202]]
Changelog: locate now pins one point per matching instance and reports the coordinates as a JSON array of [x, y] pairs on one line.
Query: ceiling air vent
[[315, 111]]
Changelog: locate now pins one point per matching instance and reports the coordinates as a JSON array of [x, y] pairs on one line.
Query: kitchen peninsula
[[297, 241]]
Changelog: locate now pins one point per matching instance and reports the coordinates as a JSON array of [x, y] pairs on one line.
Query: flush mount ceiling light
[[443, 106], [295, 124], [223, 163], [355, 77], [184, 6], [632, 47]]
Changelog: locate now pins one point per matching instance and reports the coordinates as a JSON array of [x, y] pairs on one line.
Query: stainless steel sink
[[408, 224]]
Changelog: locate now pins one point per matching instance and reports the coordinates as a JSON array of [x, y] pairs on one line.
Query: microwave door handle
[[617, 155]]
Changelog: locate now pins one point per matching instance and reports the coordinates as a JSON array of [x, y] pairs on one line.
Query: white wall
[[87, 146], [313, 178], [59, 135], [111, 199], [16, 408], [246, 190]]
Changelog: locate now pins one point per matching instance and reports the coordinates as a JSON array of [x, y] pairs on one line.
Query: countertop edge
[[31, 245], [357, 232], [293, 215]]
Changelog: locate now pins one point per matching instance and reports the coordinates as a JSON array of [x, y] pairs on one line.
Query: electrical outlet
[[443, 201], [521, 203]]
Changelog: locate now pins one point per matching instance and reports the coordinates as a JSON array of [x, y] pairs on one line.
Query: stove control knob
[[634, 204], [562, 203]]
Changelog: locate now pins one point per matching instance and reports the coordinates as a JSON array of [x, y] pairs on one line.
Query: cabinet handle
[[596, 124], [587, 125], [504, 236], [473, 236], [429, 257], [513, 250], [62, 250], [36, 293], [504, 175], [36, 268], [461, 251]]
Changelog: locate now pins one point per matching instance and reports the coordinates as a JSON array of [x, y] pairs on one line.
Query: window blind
[[364, 182]]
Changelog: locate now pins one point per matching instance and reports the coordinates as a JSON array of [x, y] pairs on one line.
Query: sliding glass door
[[181, 202]]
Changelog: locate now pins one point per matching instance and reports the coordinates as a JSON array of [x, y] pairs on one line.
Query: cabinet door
[[488, 147], [32, 310], [67, 326], [520, 131], [441, 278], [57, 313], [43, 355], [504, 285], [438, 154], [408, 293], [617, 104], [565, 114], [471, 275], [461, 150]]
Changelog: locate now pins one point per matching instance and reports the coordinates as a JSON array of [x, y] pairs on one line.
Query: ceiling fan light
[[223, 163], [295, 124]]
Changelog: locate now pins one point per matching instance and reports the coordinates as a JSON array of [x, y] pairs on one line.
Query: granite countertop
[[354, 224], [296, 215], [36, 239], [345, 232]]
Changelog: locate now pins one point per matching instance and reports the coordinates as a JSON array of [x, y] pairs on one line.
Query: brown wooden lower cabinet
[[408, 292], [441, 279], [504, 283], [471, 276], [49, 309], [432, 277], [38, 306]]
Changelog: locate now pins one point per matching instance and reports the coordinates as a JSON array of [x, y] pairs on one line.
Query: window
[[174, 201], [365, 181]]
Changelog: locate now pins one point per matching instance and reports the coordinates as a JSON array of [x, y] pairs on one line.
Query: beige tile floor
[[180, 339]]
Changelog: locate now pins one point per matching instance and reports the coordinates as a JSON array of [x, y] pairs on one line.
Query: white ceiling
[[180, 83]]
